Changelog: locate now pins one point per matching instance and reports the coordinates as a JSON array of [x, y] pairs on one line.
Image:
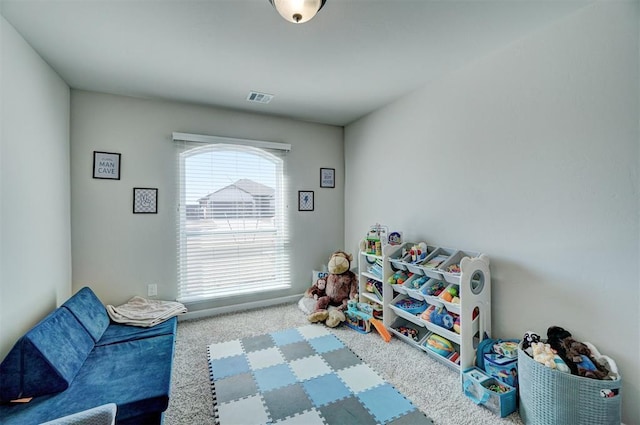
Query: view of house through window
[[232, 225]]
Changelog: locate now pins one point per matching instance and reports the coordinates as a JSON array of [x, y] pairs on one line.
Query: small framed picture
[[106, 165], [328, 177], [305, 200], [145, 200]]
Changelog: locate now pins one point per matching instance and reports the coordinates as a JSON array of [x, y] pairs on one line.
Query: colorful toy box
[[484, 390], [502, 368], [359, 316]]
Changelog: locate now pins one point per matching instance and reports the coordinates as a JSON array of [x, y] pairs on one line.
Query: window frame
[[274, 152]]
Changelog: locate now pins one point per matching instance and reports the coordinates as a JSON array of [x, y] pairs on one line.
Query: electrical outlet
[[152, 290]]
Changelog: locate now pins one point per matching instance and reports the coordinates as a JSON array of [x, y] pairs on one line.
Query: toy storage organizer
[[550, 397], [403, 304]]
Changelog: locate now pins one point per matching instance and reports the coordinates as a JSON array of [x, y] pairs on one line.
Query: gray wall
[[119, 253], [35, 253], [531, 156]]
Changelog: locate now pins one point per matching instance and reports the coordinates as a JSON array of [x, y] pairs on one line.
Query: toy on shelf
[[450, 295], [398, 278], [435, 262], [442, 318], [411, 305], [456, 325], [418, 252], [454, 268], [376, 269], [439, 345], [373, 245], [395, 238], [375, 287], [376, 238], [417, 283], [409, 332], [435, 288], [426, 315]]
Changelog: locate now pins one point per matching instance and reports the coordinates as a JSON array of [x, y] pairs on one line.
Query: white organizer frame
[[474, 288]]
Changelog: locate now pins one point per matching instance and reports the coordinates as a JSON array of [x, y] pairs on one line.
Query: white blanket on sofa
[[140, 311]]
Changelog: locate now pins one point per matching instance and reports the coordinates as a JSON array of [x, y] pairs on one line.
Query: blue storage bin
[[502, 368], [477, 386]]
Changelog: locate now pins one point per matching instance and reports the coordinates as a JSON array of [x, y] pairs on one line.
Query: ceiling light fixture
[[297, 11]]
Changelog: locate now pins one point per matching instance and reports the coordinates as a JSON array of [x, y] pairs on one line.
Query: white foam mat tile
[[238, 412], [313, 331], [225, 349], [309, 367], [265, 358], [359, 378]]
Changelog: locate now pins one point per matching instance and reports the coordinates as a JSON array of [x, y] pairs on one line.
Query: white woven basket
[[550, 397]]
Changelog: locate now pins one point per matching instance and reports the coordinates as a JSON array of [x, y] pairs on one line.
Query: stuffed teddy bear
[[543, 353], [341, 286]]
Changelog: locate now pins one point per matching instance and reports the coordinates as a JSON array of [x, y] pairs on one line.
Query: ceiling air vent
[[258, 97]]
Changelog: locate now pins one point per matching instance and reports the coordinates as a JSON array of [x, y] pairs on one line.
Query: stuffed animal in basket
[[341, 286], [575, 354], [543, 353]]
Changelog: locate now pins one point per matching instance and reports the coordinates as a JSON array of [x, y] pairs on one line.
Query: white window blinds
[[232, 225]]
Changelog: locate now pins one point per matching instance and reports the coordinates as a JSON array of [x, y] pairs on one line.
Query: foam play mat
[[302, 375]]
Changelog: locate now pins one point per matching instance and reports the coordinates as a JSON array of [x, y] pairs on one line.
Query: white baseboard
[[238, 307]]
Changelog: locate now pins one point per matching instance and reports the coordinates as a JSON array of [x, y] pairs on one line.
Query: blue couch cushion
[[136, 375], [117, 333], [46, 359], [89, 311]]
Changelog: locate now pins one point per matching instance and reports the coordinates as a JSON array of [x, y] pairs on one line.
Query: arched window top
[[201, 149]]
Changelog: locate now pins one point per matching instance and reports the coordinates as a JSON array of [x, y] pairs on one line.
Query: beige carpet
[[432, 387]]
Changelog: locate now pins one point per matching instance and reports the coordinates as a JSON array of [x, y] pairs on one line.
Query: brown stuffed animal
[[317, 290], [341, 286], [572, 352]]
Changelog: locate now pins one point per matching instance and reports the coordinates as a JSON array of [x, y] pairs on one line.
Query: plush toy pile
[[564, 353], [340, 286]]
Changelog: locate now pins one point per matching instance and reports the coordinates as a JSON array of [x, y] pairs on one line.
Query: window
[[232, 230]]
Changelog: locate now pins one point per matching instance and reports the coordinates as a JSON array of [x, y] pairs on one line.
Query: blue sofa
[[76, 359]]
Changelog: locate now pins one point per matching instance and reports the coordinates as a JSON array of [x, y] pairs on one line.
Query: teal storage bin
[[477, 386], [550, 397], [502, 368]]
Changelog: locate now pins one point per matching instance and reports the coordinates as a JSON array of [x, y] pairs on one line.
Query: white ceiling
[[352, 58]]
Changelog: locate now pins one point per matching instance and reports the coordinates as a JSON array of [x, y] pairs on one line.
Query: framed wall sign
[[106, 165], [328, 177], [305, 200], [145, 200]]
